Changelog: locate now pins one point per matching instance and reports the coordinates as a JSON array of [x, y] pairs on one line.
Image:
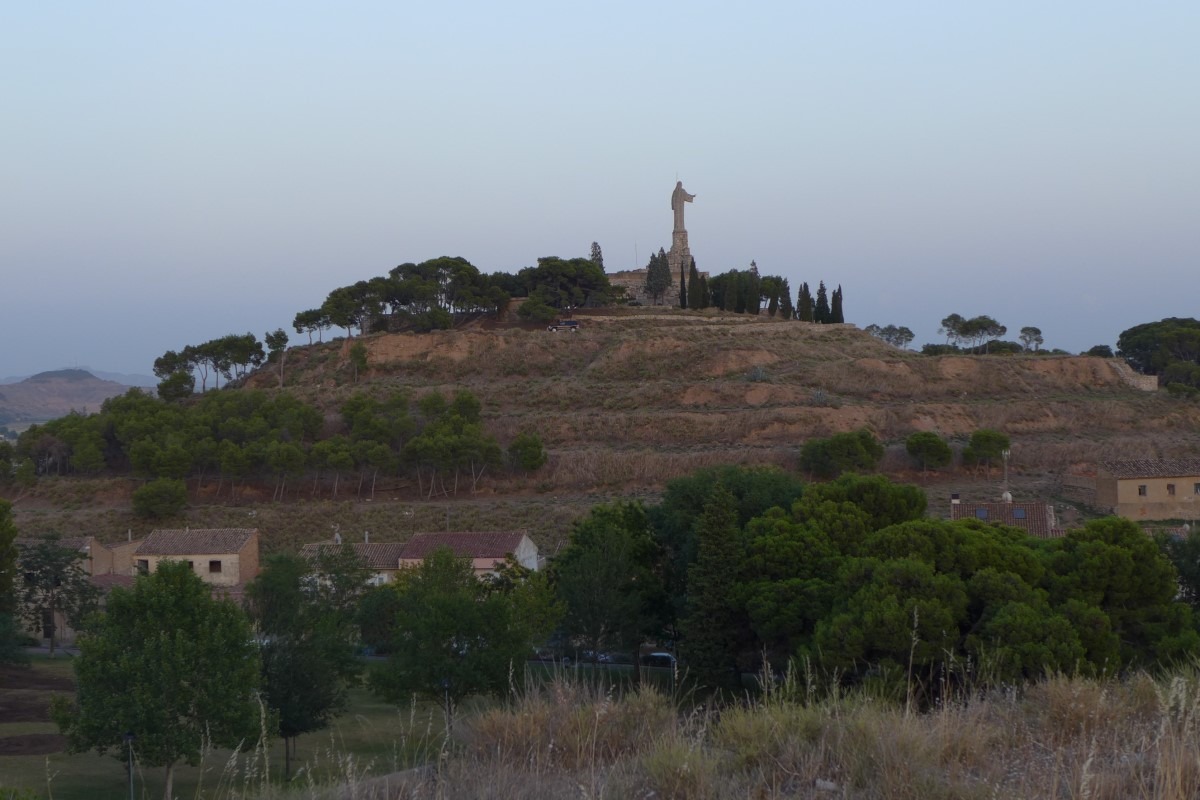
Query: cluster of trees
[[182, 670], [744, 569], [231, 357], [859, 451], [743, 292], [850, 576], [975, 333], [895, 336], [433, 294], [248, 435], [1169, 348], [982, 335]]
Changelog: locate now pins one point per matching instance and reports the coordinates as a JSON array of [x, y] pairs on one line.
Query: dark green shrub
[[164, 497]]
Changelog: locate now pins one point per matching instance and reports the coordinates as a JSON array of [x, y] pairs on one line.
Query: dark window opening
[[191, 565], [143, 566], [1171, 489], [1141, 490], [981, 513], [1018, 513], [214, 566]]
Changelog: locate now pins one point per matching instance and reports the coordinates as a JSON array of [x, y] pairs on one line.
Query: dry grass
[[1061, 738]]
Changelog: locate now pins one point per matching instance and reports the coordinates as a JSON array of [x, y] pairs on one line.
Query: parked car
[[571, 325], [660, 660]]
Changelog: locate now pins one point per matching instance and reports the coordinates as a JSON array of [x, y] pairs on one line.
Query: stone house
[[1036, 519], [222, 557], [1149, 489], [106, 566], [486, 549]]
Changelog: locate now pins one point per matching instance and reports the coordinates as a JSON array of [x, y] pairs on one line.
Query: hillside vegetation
[[638, 397], [641, 396]]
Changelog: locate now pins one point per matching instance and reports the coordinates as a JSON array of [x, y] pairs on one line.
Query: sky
[[174, 172]]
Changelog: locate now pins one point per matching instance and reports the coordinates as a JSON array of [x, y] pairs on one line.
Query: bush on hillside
[[164, 497]]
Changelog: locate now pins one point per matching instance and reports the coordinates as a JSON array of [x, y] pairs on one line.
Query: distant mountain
[[123, 378], [57, 393]]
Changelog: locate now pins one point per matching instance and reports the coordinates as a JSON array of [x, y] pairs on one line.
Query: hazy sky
[[172, 172]]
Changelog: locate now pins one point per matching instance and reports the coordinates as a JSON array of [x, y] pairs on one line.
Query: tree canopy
[[170, 664]]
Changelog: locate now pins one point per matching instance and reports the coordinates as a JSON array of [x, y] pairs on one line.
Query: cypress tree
[[804, 304], [682, 287], [695, 297], [705, 297], [740, 280], [710, 627], [786, 309], [835, 313], [822, 314]]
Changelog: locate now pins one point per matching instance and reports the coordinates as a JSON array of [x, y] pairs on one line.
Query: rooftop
[[1153, 468], [475, 544], [381, 556], [1036, 519], [195, 541]]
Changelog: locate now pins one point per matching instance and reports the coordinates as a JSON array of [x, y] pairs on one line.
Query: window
[[1141, 490], [191, 565], [143, 566], [214, 566], [981, 513], [1171, 489], [1196, 488], [1018, 513]]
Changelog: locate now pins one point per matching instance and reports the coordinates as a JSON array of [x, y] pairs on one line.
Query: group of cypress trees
[[746, 292]]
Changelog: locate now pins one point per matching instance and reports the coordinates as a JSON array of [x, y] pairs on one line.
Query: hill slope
[[638, 397]]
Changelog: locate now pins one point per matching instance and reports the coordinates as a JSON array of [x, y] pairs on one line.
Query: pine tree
[[822, 314], [786, 309], [695, 297], [835, 312], [597, 256], [710, 627], [804, 304]]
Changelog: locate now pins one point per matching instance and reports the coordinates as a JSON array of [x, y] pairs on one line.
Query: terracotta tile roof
[[381, 556], [195, 541], [1036, 519], [482, 544], [1153, 468]]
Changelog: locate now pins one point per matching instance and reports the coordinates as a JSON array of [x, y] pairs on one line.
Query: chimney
[[954, 499], [366, 537]]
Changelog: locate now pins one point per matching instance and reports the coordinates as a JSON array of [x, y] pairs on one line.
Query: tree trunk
[[168, 793], [374, 477]]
